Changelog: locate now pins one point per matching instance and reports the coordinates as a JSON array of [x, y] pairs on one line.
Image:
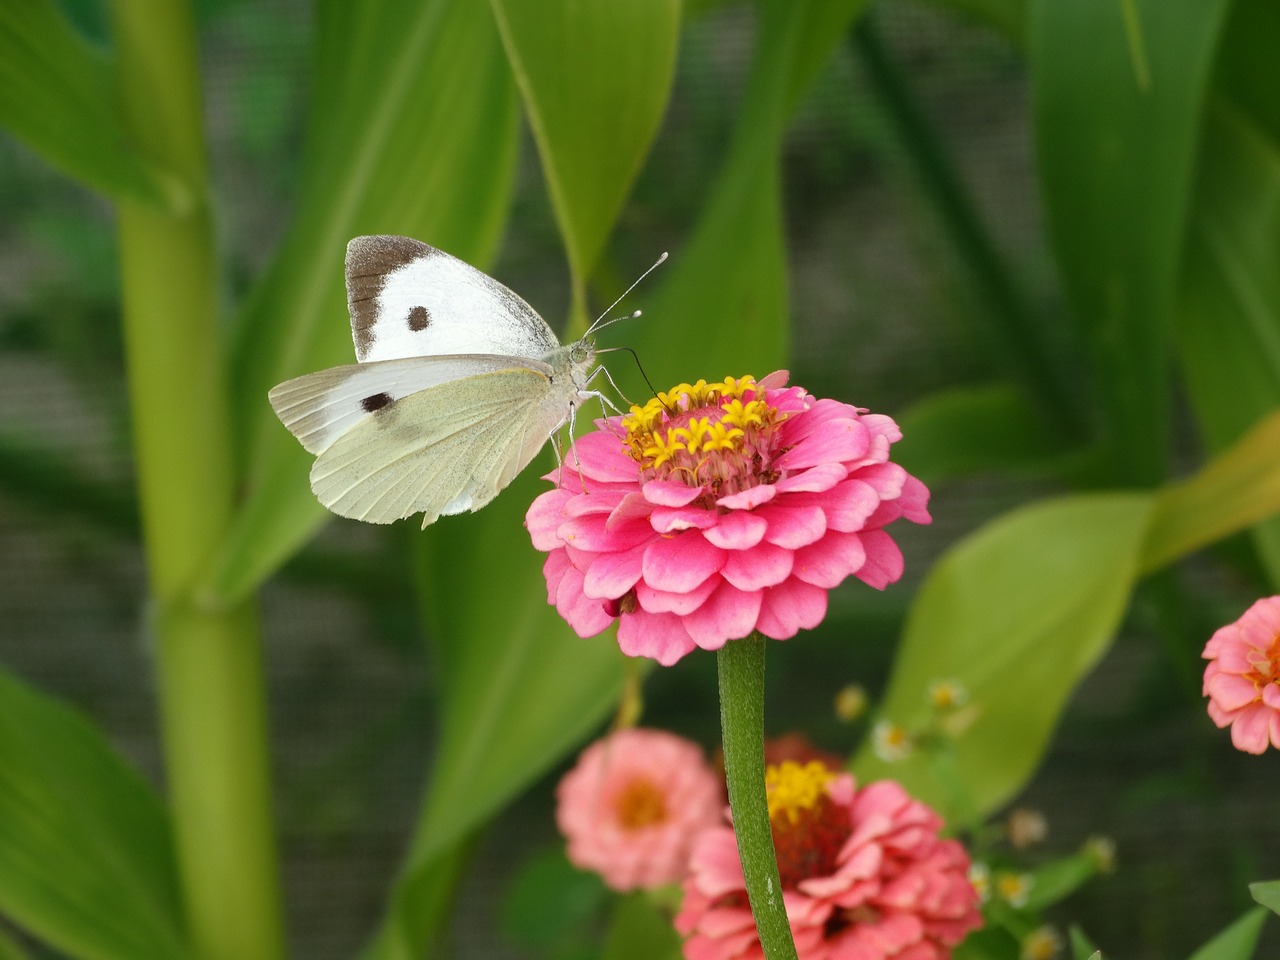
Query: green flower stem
[[741, 668], [212, 706]]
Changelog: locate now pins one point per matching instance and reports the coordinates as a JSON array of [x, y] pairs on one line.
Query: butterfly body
[[459, 384]]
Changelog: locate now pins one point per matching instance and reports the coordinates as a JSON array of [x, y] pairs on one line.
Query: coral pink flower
[[1242, 680], [633, 804], [718, 510], [865, 876]]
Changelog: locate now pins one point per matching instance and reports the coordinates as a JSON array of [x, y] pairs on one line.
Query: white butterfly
[[459, 385]]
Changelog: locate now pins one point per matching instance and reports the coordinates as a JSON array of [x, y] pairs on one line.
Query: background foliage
[[1068, 325]]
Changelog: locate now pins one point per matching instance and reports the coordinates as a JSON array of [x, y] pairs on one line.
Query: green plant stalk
[[211, 698], [741, 669]]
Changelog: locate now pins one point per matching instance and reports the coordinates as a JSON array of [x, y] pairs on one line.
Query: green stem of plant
[[741, 668], [212, 705]]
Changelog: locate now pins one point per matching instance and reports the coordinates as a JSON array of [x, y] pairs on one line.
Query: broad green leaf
[[975, 429], [1116, 134], [989, 943], [1267, 894], [723, 307], [1237, 941], [550, 900], [638, 930], [595, 78], [518, 688], [412, 130], [1018, 613], [1229, 322], [85, 856], [1234, 491], [10, 949], [58, 95]]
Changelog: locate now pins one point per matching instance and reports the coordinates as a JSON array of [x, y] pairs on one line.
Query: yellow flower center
[[793, 788], [713, 435], [640, 804], [808, 828]]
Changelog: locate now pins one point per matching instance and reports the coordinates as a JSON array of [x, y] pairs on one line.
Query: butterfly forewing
[[319, 407], [408, 299]]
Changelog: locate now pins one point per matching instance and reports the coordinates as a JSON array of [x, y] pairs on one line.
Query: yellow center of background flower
[[640, 804], [808, 828], [713, 435]]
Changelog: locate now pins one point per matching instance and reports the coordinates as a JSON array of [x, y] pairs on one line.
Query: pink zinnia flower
[[633, 804], [1242, 680], [865, 876], [721, 509]]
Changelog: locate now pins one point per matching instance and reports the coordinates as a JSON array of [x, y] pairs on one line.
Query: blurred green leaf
[[1234, 491], [85, 857], [1237, 941], [1267, 894], [1082, 947], [595, 79], [551, 900], [57, 94], [975, 429], [1059, 879], [1018, 613], [1229, 324], [639, 930], [726, 290], [1008, 17], [1116, 134], [10, 949], [989, 943], [413, 131]]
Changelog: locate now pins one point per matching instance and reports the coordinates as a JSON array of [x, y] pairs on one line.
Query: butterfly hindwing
[[441, 450], [408, 299]]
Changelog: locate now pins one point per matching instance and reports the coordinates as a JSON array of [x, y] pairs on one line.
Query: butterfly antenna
[[599, 324], [639, 366]]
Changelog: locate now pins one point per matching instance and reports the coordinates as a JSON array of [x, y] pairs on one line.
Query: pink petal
[[790, 608], [774, 381], [839, 440], [847, 505], [675, 519], [748, 499], [1250, 731], [681, 604], [680, 562], [817, 479], [737, 530], [658, 636], [632, 506], [670, 493], [1231, 691], [884, 560], [591, 533], [727, 614], [826, 563], [793, 527], [611, 575], [587, 616], [599, 456], [544, 517], [764, 565]]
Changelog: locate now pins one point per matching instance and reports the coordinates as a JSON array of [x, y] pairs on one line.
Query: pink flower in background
[[633, 804], [865, 876], [721, 509], [1242, 680]]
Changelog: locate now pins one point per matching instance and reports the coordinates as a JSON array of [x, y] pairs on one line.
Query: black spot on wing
[[419, 319], [369, 260], [375, 402]]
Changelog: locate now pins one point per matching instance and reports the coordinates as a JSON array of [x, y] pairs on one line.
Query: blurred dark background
[[878, 295]]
